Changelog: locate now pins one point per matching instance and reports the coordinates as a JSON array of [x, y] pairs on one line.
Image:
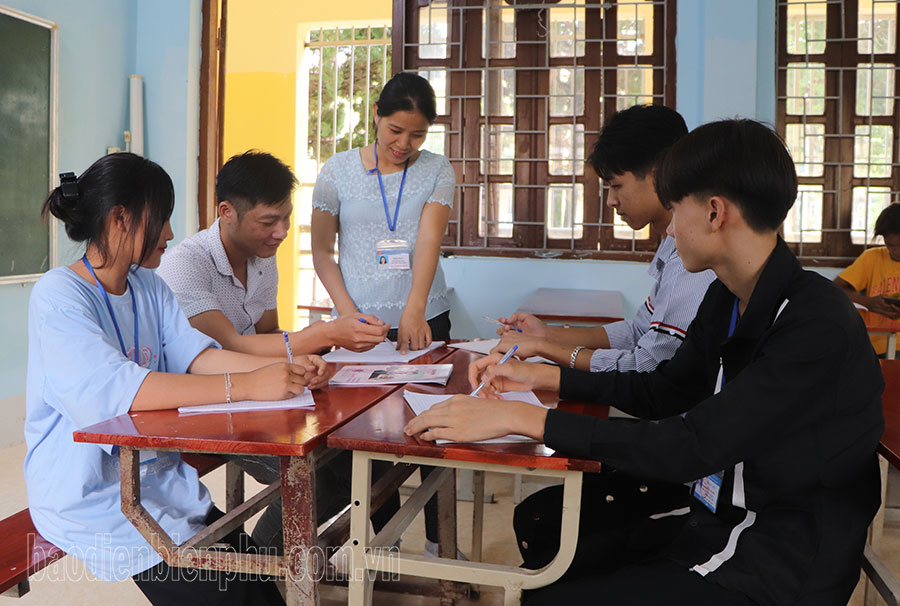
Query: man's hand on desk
[[527, 323], [882, 307], [471, 419], [511, 376], [348, 332]]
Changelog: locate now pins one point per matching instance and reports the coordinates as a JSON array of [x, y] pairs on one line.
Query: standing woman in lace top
[[390, 201]]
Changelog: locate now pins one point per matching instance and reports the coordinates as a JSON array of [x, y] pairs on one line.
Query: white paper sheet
[[303, 400], [420, 402], [383, 353], [484, 346]]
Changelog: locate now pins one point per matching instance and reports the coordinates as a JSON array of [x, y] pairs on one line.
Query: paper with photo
[[392, 374], [420, 402], [302, 400], [380, 354], [484, 346]]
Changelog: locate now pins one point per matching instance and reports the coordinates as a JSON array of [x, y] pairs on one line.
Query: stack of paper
[[420, 402], [484, 346], [303, 400], [392, 374], [382, 353]]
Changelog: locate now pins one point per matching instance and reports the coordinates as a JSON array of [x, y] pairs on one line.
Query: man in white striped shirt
[[625, 157]]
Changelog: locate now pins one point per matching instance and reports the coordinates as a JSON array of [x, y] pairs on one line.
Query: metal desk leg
[[891, 352], [360, 587], [477, 515], [304, 561]]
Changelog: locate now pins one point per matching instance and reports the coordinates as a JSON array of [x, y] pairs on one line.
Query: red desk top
[[877, 322], [380, 429], [890, 441], [272, 432], [574, 305]]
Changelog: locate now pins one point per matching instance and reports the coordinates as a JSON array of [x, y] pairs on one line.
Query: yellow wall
[[263, 41]]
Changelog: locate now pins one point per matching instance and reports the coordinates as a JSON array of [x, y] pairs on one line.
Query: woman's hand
[[317, 371], [527, 323], [413, 332], [468, 419], [278, 381], [348, 332], [512, 375], [528, 345]]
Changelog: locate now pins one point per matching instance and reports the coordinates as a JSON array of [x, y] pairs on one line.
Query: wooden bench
[[23, 551]]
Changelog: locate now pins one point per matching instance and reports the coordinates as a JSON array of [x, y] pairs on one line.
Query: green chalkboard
[[25, 144]]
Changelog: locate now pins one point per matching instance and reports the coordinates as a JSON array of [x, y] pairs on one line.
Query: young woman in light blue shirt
[[106, 336]]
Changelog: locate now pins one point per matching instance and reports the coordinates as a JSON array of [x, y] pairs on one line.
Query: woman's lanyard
[[137, 348], [387, 214], [734, 319]]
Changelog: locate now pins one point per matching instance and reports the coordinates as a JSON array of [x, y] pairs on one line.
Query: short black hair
[[888, 222], [254, 178], [138, 185], [743, 160], [408, 92], [633, 140]]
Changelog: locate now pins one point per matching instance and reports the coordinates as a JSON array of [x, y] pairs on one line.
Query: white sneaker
[[431, 550]]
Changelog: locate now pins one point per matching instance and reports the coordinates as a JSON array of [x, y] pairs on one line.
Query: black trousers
[[440, 331], [165, 585]]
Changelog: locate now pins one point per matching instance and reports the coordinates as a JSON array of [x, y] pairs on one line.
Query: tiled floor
[[68, 583]]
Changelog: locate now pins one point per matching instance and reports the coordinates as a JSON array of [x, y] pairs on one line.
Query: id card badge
[[707, 490], [392, 254]]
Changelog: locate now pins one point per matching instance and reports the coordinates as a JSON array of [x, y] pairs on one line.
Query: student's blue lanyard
[[137, 348], [734, 318], [387, 214]]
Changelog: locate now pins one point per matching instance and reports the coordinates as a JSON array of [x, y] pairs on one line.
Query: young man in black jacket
[[772, 406]]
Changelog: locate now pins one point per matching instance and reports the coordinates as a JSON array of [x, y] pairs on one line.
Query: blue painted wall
[[102, 42]]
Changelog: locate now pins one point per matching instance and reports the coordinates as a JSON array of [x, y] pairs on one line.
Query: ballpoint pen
[[506, 357], [287, 345], [386, 340], [496, 321]]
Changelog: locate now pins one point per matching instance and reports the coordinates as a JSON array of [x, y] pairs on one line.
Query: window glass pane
[[804, 221], [634, 86], [872, 150], [634, 28], [875, 89], [498, 30], [438, 80], [565, 211], [868, 202], [435, 142], [567, 29], [566, 153], [496, 213], [806, 88], [878, 25], [566, 91], [434, 30], [805, 27], [502, 141], [807, 145], [499, 86]]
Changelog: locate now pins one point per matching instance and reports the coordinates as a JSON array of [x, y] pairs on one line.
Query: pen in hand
[[505, 357], [495, 321], [363, 320], [287, 345]]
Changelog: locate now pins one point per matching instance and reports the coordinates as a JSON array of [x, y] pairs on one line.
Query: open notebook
[[303, 400], [420, 402]]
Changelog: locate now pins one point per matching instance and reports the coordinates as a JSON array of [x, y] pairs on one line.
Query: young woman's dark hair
[[138, 185], [252, 178], [743, 160], [888, 222], [407, 92], [633, 140]]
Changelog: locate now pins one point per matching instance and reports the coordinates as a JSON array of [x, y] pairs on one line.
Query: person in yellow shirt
[[873, 280]]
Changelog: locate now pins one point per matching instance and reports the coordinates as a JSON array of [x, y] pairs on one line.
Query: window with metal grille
[[343, 70], [839, 112], [523, 88]]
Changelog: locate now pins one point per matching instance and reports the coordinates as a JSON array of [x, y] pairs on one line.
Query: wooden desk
[[574, 306], [297, 436], [877, 324], [377, 434]]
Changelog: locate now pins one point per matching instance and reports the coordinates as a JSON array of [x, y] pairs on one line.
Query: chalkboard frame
[[54, 127]]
